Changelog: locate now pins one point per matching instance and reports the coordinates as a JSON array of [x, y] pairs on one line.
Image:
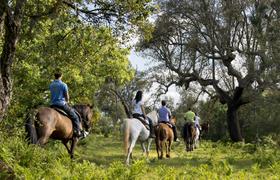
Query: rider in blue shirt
[[164, 117], [60, 99]]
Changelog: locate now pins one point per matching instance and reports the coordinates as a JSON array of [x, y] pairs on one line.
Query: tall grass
[[102, 158]]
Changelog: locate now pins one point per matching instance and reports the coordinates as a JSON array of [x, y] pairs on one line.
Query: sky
[[141, 64]]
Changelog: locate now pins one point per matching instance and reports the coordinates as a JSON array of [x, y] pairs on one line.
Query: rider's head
[[163, 103], [138, 96], [57, 74]]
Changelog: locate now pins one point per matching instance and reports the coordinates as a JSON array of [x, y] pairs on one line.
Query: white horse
[[133, 130], [196, 139]]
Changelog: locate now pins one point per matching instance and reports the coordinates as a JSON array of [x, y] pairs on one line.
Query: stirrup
[[84, 134]]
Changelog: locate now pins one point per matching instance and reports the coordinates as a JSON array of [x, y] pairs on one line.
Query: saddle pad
[[65, 114]]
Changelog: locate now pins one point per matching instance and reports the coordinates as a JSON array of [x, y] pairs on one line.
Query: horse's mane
[[82, 108], [153, 115]]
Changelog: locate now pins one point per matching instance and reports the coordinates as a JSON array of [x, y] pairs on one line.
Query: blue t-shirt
[[58, 90], [164, 114]]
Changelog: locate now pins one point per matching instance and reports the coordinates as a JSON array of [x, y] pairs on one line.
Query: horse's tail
[[30, 127], [162, 134], [126, 135], [185, 131]]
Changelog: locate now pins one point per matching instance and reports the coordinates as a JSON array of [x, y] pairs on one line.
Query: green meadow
[[97, 157]]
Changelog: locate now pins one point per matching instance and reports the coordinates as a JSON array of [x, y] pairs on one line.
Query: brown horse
[[47, 123], [204, 129], [189, 134], [164, 135]]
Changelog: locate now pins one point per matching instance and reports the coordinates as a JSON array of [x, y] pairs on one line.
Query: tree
[[125, 92], [222, 46], [12, 17], [116, 15]]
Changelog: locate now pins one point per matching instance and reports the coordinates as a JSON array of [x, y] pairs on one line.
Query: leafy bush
[[97, 157]]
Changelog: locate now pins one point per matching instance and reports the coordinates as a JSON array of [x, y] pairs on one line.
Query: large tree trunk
[[12, 26], [233, 124]]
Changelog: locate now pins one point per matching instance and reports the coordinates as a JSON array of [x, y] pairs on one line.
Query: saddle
[[143, 121], [60, 111], [167, 123], [64, 113]]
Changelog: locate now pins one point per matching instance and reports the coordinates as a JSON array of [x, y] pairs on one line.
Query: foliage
[[86, 55], [260, 118], [76, 36], [222, 47], [102, 158]]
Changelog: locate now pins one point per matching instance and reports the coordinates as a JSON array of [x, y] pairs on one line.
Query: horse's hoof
[[167, 155]]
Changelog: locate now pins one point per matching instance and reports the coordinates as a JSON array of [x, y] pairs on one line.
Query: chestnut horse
[[164, 135], [46, 122], [189, 135]]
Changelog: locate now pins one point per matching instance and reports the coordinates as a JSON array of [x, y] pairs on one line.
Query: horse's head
[[153, 115], [205, 126], [173, 120], [86, 114]]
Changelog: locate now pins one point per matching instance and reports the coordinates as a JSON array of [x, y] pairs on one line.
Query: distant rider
[[196, 121], [189, 116], [139, 111], [164, 117]]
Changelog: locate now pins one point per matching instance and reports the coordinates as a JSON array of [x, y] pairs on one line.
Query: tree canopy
[[228, 48], [80, 37]]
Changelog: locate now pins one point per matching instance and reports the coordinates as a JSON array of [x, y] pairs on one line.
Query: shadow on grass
[[179, 162]]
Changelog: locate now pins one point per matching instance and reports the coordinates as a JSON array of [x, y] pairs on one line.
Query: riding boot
[[174, 132], [77, 133], [152, 131]]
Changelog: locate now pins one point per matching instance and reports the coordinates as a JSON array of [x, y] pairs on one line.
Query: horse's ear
[[90, 106]]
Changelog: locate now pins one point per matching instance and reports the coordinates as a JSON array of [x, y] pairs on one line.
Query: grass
[[97, 157]]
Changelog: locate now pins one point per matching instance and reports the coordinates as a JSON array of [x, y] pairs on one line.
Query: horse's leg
[[73, 144], [192, 143], [143, 148], [157, 147], [169, 148], [131, 146], [188, 144], [65, 142], [166, 149], [161, 149], [149, 146], [196, 141], [44, 134]]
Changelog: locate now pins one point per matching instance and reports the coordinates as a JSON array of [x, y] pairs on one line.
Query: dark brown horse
[[164, 136], [204, 129], [189, 134], [47, 123]]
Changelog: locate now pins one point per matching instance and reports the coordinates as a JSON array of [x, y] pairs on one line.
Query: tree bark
[[233, 124], [12, 25], [124, 103]]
